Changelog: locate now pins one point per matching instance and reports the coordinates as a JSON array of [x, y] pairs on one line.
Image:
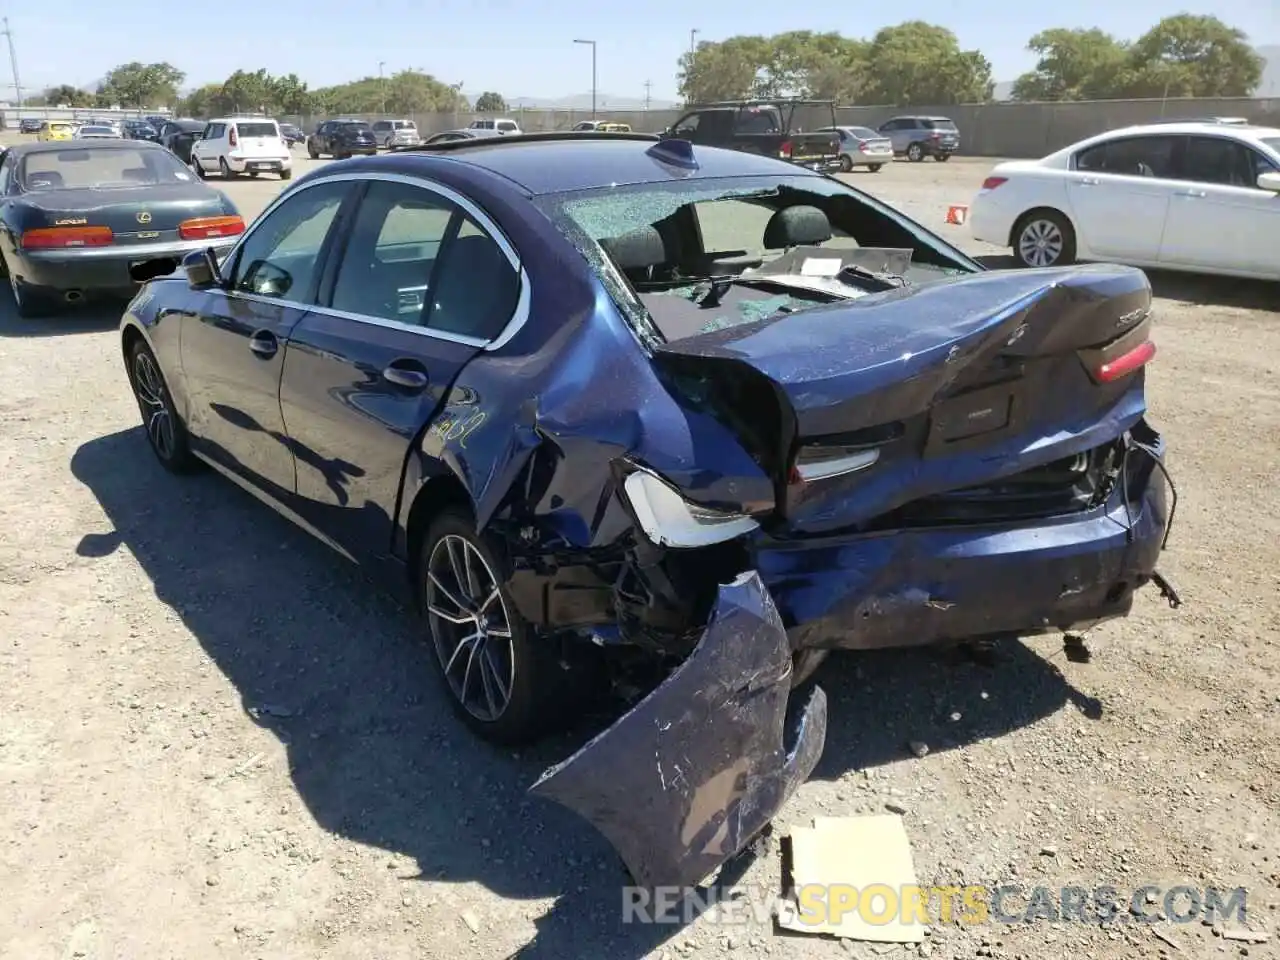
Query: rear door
[[259, 140], [1218, 218], [426, 281], [233, 347], [1119, 193]]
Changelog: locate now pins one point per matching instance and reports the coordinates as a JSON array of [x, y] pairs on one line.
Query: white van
[[231, 146], [500, 124]]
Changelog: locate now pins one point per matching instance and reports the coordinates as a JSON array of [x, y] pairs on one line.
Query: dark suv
[[342, 139], [918, 137]]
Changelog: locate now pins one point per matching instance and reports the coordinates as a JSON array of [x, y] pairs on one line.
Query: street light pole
[[382, 84], [13, 62], [693, 43], [592, 45]]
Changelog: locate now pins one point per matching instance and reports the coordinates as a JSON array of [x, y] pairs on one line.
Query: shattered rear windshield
[[687, 257]]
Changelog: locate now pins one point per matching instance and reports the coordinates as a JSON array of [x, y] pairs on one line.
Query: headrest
[[796, 227], [637, 250], [45, 180]]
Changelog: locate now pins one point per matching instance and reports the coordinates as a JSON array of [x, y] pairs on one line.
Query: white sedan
[[1198, 196]]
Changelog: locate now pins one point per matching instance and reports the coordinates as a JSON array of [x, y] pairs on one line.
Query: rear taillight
[[232, 138], [205, 228], [992, 182], [1126, 363], [784, 151], [863, 146], [60, 238]]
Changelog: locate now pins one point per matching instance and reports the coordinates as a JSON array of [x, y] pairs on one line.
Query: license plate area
[[972, 418]]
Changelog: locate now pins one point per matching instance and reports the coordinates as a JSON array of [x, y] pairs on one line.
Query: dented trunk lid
[[924, 389]]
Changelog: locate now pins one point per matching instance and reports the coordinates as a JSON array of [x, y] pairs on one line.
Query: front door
[[1218, 218], [233, 349], [1119, 193], [422, 287]]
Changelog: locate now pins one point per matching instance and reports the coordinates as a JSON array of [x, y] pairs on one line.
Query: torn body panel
[[690, 775]]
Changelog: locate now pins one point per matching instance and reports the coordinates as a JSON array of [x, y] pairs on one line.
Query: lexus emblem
[[144, 217]]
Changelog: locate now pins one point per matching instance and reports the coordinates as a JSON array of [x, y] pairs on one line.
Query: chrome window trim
[[519, 317]]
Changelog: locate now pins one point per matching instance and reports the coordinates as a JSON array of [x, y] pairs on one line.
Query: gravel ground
[[216, 740]]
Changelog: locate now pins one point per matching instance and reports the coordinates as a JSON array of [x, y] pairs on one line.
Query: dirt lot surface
[[216, 740]]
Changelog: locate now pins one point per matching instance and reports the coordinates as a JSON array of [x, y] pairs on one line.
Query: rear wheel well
[[433, 497], [1033, 212]]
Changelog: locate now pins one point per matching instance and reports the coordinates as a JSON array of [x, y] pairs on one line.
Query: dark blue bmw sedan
[[609, 399]]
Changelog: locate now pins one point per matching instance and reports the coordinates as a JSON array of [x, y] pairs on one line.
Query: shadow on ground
[[90, 317], [340, 675], [1193, 288]]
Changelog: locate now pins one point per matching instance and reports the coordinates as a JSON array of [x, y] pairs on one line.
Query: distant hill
[[1268, 87]]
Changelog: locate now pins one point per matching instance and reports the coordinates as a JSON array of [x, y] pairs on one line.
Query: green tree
[[203, 102], [244, 91], [140, 85], [290, 95], [908, 64], [918, 63], [1073, 65], [408, 91], [1187, 55], [490, 102], [66, 94]]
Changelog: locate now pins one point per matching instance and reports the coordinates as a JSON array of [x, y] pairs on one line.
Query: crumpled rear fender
[[688, 777]]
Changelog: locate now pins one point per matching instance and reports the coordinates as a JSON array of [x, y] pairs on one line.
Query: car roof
[[22, 149], [1237, 131], [557, 165]]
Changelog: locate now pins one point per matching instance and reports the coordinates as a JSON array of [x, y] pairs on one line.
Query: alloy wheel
[[470, 627], [1040, 243], [148, 387]]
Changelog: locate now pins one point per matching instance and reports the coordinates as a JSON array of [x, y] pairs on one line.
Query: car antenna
[[678, 153]]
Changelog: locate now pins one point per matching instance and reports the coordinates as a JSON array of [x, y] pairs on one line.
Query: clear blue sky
[[504, 45]]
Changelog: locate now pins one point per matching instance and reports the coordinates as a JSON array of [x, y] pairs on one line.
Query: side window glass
[[1093, 158], [476, 289], [1223, 162], [686, 126], [1259, 165], [1137, 157], [279, 258], [6, 175], [391, 256]]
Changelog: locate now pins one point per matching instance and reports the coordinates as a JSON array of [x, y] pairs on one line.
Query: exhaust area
[[74, 296]]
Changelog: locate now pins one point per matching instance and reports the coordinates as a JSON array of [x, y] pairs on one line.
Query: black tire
[[915, 153], [30, 304], [199, 170], [312, 153], [943, 157], [874, 167], [846, 163], [224, 169], [1043, 238], [536, 683], [286, 174], [171, 446], [342, 156], [253, 174]]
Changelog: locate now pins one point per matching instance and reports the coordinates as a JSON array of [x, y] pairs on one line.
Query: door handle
[[1192, 193], [264, 343], [1088, 181], [408, 374]]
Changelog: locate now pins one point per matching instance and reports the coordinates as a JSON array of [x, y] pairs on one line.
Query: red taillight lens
[[992, 182], [204, 228], [784, 151], [232, 138], [60, 238], [1126, 363], [863, 146]]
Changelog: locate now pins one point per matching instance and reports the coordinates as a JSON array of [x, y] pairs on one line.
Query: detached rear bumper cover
[[687, 778]]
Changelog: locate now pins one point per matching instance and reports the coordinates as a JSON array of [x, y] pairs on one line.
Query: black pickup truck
[[773, 128]]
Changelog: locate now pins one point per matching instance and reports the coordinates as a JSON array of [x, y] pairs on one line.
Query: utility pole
[[693, 43], [647, 85], [13, 62], [592, 45], [382, 85]]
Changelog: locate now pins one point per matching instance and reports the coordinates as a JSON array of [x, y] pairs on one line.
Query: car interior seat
[[798, 226]]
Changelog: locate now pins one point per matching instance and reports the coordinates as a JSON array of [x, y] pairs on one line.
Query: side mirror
[[1269, 181], [202, 270], [150, 269]]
